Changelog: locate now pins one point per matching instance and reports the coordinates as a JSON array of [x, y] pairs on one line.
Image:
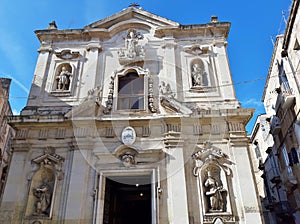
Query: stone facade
[[132, 104], [6, 132], [280, 168]]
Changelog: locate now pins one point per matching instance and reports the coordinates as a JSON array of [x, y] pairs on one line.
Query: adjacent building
[[132, 119], [6, 132], [282, 104]]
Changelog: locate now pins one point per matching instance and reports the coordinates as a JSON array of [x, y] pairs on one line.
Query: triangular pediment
[[133, 15]]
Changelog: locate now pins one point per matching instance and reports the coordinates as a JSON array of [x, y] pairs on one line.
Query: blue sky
[[253, 25]]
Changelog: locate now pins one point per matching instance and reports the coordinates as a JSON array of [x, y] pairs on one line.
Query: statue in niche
[[216, 194], [198, 74], [63, 79], [43, 195]]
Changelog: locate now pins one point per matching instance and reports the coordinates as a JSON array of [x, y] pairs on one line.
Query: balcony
[[282, 208], [274, 176], [269, 150], [275, 125], [289, 179], [285, 98]]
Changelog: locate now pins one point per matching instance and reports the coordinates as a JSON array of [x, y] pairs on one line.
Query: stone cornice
[[130, 17], [242, 115], [219, 29]]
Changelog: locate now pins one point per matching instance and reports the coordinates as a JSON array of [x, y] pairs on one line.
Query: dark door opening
[[127, 202]]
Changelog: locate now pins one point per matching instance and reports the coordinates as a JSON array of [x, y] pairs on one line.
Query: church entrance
[[127, 200]]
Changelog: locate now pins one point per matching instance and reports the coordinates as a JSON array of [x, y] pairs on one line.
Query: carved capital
[[196, 50], [94, 46], [43, 49]]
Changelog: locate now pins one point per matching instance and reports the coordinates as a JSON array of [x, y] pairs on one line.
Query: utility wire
[[217, 86]]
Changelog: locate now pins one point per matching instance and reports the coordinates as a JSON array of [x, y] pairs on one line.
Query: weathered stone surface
[[133, 69]]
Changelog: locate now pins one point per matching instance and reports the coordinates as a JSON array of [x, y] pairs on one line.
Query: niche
[[43, 184], [63, 78], [199, 73]]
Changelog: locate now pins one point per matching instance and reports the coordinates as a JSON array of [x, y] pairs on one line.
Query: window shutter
[[294, 156]]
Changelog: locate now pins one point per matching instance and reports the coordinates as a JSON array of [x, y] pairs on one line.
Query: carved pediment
[[209, 154], [196, 50], [49, 157], [50, 160], [173, 105], [67, 54], [130, 14]]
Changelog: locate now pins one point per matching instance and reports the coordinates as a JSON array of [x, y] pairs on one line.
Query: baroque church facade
[[132, 119]]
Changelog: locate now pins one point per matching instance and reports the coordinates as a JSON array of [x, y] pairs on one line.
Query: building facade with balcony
[[6, 132], [281, 97], [132, 119]]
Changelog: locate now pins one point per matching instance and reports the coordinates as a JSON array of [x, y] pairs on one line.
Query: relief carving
[[165, 90], [196, 50], [127, 159], [133, 52], [109, 102], [127, 156], [151, 105], [67, 54]]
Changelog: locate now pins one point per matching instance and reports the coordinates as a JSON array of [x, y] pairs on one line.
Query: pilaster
[[176, 182]]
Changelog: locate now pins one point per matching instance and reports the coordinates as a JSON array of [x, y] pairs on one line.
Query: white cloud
[[252, 102], [15, 112]]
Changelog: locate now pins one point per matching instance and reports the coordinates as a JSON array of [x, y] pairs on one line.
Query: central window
[[131, 92]]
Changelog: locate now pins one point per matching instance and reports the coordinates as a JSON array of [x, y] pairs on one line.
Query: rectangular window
[[131, 92], [257, 152], [286, 159]]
